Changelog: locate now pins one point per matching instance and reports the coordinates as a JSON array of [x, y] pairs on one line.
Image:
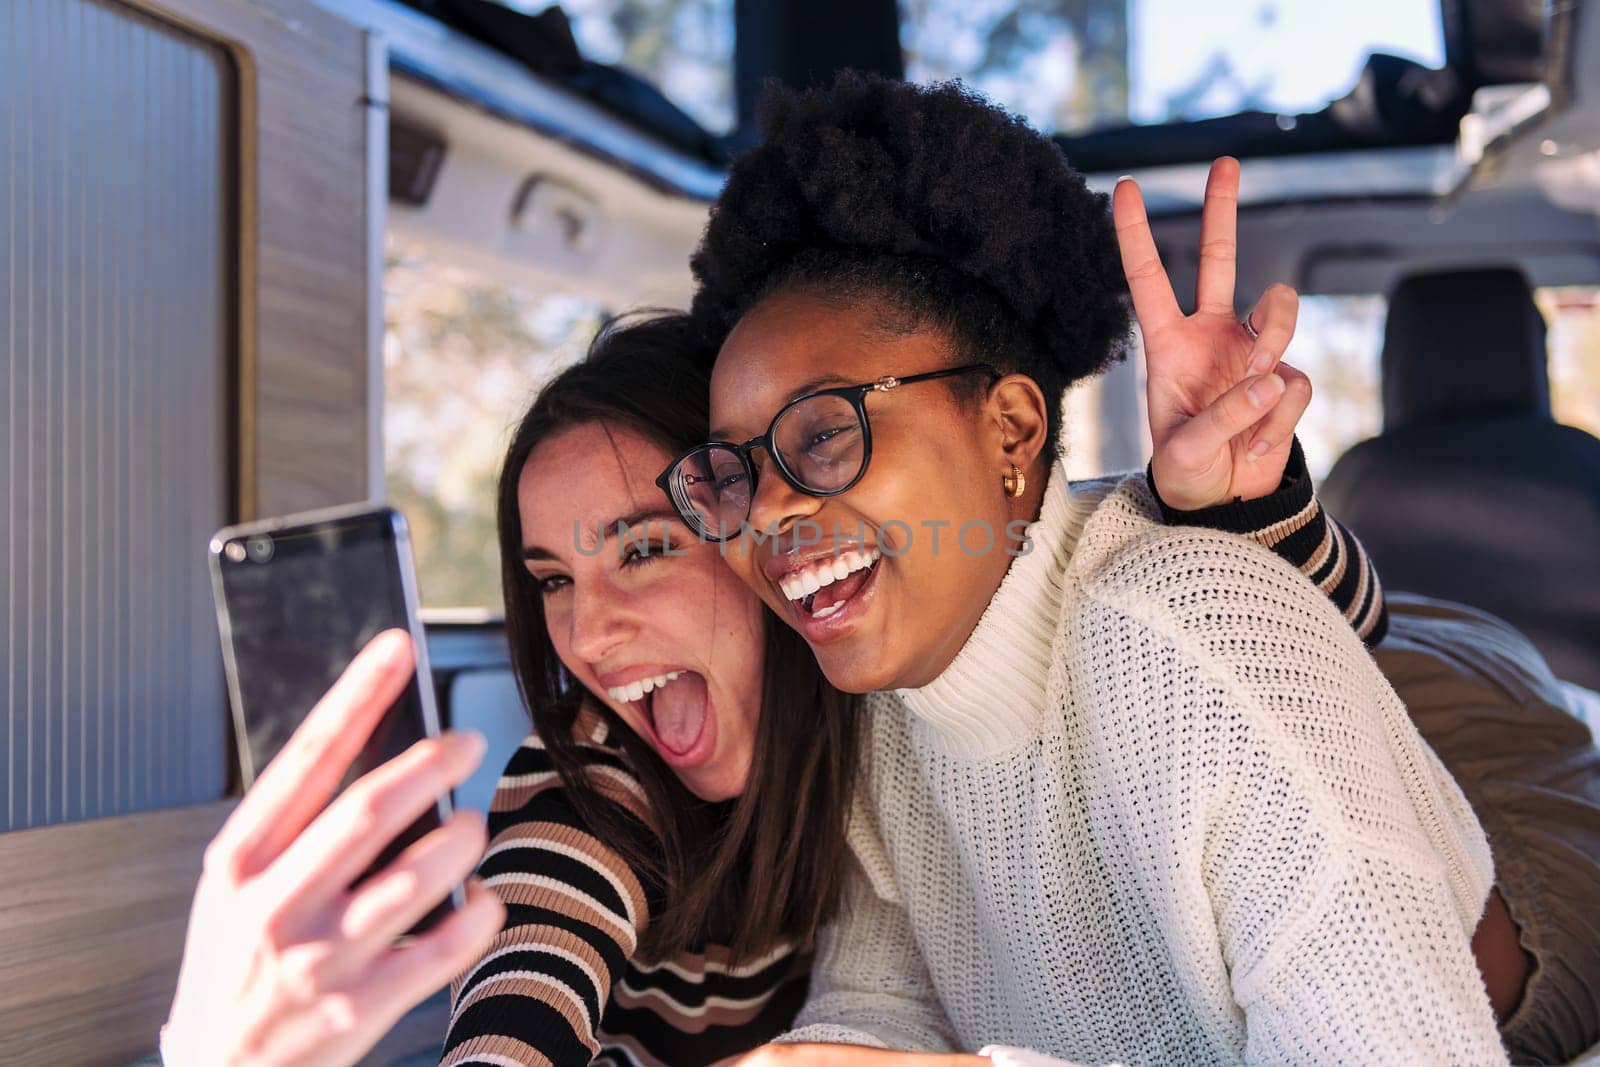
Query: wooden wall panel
[[92, 921], [304, 228], [92, 916], [92, 913]]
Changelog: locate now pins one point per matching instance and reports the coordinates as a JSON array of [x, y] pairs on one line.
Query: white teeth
[[627, 694], [829, 610], [802, 583]]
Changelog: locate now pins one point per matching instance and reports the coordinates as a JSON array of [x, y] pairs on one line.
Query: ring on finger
[[1250, 327]]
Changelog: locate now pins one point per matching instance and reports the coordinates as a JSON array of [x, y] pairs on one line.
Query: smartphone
[[297, 598]]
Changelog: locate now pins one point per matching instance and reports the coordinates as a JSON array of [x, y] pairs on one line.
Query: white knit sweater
[[1162, 808]]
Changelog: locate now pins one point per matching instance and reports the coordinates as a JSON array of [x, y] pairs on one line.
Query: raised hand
[[1223, 406], [283, 963]]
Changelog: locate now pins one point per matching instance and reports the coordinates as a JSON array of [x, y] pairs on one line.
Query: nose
[[600, 622], [778, 505]]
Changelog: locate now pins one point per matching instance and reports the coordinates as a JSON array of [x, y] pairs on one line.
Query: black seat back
[[1473, 492]]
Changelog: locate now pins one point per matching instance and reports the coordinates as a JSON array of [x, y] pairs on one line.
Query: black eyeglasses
[[821, 444]]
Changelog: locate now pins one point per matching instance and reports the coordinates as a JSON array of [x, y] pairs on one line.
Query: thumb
[[1230, 415], [1194, 462]]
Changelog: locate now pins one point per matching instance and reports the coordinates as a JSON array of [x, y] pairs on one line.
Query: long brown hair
[[751, 872]]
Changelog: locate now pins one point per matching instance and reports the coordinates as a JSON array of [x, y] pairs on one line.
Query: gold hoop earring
[[1015, 482]]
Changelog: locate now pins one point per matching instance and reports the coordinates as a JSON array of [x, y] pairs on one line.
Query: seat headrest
[[1463, 344]]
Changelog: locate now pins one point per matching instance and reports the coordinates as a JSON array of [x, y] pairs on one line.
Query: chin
[[866, 671], [714, 788]]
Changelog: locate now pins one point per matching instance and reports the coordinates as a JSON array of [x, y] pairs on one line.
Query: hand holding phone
[[297, 598], [284, 962]]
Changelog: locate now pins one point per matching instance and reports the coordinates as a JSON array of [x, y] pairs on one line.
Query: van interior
[[261, 258]]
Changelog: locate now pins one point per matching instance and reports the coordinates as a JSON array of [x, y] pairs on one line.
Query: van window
[[1070, 67], [1572, 314], [463, 355], [682, 47], [1337, 343], [1339, 340]]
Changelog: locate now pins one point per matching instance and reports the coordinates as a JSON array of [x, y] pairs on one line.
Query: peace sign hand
[[1223, 406]]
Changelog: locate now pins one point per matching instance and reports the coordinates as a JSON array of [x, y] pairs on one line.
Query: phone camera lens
[[260, 548], [234, 551]]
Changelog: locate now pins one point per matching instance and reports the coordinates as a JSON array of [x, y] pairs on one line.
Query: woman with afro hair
[[1132, 792]]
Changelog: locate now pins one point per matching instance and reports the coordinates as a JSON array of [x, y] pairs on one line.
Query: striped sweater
[[560, 985]]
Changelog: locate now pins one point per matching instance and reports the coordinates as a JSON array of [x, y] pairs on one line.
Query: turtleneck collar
[[992, 695]]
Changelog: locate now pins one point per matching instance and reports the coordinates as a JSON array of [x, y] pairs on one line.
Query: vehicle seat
[[487, 701], [1473, 492]]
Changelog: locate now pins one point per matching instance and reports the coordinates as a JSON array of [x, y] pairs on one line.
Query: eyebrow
[[822, 382], [537, 553]]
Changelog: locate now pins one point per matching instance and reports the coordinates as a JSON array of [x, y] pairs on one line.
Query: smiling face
[[890, 595], [650, 622]]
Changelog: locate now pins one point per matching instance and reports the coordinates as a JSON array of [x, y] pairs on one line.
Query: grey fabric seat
[[1473, 492]]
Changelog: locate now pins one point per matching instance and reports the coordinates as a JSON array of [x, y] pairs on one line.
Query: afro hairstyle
[[948, 210]]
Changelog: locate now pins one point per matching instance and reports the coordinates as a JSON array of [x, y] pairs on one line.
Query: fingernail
[[1257, 450], [1261, 363], [1124, 178], [390, 644], [1266, 390], [470, 743]]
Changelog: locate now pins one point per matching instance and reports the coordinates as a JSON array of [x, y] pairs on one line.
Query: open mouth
[[823, 587], [676, 706]]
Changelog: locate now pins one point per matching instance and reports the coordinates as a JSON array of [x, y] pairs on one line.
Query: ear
[[1022, 417]]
